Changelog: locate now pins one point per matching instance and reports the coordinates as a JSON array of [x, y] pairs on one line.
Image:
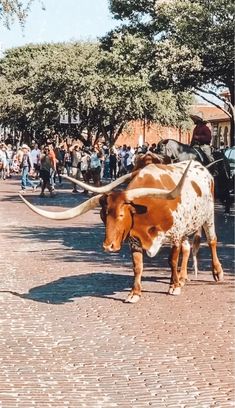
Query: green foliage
[[191, 43], [14, 9], [192, 40], [107, 88]]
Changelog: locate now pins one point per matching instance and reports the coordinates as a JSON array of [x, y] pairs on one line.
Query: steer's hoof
[[174, 291], [183, 282], [132, 299], [218, 277]]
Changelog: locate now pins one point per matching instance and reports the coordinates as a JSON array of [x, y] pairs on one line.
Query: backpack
[[25, 161]]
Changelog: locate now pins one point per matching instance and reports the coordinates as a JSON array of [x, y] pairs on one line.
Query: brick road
[[68, 340]]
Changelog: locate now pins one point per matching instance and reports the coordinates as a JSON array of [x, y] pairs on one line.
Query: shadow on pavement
[[104, 285], [81, 243], [98, 284]]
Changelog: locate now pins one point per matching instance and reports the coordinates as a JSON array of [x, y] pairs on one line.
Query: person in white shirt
[[129, 159], [35, 156], [3, 161]]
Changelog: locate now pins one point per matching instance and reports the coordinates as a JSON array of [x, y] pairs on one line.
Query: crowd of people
[[44, 166]]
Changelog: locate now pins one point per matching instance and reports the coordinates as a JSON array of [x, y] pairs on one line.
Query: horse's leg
[[227, 201], [223, 182]]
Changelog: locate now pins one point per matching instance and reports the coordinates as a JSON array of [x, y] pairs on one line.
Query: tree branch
[[213, 103], [119, 131], [217, 96]]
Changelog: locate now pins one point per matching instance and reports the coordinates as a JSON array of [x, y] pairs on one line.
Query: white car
[[230, 154]]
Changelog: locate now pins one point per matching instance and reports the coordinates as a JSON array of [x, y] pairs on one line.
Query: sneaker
[[75, 191], [42, 195], [22, 191]]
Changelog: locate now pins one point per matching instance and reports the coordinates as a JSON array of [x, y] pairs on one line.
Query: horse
[[219, 167]]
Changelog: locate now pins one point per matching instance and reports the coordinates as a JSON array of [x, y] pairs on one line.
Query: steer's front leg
[[174, 288], [137, 259]]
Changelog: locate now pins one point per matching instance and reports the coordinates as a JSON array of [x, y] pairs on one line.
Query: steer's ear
[[103, 204], [138, 209], [103, 200]]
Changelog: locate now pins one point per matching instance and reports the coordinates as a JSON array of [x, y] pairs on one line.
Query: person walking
[[35, 155], [26, 166], [59, 165], [67, 161], [76, 156], [3, 161], [113, 165], [53, 167], [46, 167], [85, 166], [95, 165]]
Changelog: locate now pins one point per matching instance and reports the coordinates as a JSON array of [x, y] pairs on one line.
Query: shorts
[[45, 175], [75, 172]]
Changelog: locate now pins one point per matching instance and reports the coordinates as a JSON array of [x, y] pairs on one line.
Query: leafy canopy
[[15, 9], [190, 44], [196, 36], [107, 88]]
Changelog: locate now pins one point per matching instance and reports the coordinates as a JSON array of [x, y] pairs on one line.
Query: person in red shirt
[[53, 159], [202, 136]]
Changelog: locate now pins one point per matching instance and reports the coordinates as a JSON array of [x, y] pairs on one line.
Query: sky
[[62, 20]]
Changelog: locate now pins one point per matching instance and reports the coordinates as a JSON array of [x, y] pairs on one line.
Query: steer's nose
[[108, 247]]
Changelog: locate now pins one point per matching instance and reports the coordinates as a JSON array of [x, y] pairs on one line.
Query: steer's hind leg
[[195, 249], [183, 274], [174, 288], [217, 269], [137, 259]]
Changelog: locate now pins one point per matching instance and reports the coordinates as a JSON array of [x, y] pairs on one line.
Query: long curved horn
[[104, 189], [159, 193], [67, 214]]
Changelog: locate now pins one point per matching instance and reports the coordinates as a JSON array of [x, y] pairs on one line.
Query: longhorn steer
[[162, 203]]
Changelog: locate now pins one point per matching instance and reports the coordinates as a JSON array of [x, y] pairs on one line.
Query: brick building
[[139, 132]]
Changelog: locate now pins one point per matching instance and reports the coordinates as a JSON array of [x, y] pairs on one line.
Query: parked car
[[230, 154]]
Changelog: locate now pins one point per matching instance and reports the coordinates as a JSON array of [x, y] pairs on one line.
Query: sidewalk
[[68, 340]]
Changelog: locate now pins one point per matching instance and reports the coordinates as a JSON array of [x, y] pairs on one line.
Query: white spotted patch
[[156, 245], [194, 210], [155, 171]]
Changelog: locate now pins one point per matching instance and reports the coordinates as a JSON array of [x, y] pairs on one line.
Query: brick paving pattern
[[67, 339]]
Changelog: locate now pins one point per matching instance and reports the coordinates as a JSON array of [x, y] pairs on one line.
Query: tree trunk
[[232, 121]]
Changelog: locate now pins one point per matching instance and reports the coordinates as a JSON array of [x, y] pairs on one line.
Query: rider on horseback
[[202, 136]]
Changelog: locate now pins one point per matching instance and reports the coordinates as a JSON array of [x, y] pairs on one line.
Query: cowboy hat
[[198, 117]]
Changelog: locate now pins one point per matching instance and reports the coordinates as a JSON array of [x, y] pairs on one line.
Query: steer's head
[[117, 213]]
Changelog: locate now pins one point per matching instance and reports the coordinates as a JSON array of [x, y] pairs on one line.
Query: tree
[[11, 9], [190, 43], [39, 82], [127, 65]]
